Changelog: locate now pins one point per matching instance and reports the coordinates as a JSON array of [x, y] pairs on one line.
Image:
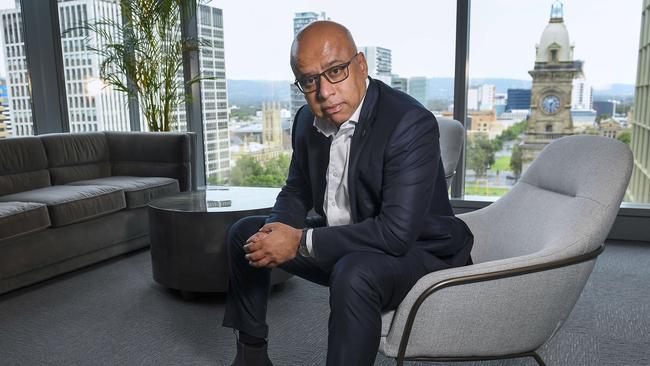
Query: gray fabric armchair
[[534, 250], [452, 137]]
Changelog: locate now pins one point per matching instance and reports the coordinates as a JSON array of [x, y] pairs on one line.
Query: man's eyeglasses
[[335, 74]]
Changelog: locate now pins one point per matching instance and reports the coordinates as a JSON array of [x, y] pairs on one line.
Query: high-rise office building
[[214, 95], [472, 99], [417, 88], [90, 106], [605, 108], [639, 188], [399, 83], [581, 95], [20, 123], [487, 94], [4, 109], [300, 20], [518, 99], [379, 61], [500, 100], [481, 98]]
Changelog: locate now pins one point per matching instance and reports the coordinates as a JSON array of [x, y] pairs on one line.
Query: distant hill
[[443, 88], [615, 90], [440, 88], [503, 85], [254, 92]]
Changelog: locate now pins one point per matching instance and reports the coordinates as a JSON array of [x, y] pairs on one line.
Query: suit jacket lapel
[[361, 134]]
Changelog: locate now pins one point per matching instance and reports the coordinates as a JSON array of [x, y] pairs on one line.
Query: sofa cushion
[[70, 204], [74, 157], [23, 165], [137, 190], [18, 218]]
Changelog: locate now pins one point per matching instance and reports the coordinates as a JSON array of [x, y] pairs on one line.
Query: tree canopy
[[480, 154], [251, 173]]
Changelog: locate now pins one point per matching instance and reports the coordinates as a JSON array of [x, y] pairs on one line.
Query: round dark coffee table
[[188, 233]]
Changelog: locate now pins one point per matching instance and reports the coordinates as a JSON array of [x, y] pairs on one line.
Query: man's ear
[[363, 64]]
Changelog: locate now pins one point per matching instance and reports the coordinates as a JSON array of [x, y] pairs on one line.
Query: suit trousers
[[361, 284]]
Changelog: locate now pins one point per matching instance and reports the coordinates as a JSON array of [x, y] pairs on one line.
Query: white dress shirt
[[336, 203]]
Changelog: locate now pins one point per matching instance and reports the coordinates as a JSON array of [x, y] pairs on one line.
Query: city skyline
[[492, 24]]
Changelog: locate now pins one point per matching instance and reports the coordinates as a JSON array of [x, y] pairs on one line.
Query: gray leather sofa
[[70, 200]]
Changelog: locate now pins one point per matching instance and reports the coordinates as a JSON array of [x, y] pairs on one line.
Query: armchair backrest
[[452, 137], [76, 156], [564, 204], [23, 165]]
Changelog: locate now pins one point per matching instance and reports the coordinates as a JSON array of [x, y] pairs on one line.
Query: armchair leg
[[538, 358]]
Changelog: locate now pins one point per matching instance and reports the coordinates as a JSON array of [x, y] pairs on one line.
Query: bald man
[[366, 159]]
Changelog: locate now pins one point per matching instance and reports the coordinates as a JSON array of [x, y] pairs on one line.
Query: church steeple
[[557, 12]]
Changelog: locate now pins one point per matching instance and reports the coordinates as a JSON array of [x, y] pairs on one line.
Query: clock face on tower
[[551, 104]]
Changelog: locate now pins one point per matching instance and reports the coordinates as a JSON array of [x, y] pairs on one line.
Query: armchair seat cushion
[[137, 190], [67, 204], [18, 218], [386, 322]]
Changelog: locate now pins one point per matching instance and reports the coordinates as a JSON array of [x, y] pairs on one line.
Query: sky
[[421, 35]]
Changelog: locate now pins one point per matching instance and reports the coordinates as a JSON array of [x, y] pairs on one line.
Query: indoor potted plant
[[145, 47]]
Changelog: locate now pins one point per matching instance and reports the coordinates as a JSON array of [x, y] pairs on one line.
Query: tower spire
[[557, 12]]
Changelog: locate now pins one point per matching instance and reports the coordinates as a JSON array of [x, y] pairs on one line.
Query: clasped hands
[[274, 244]]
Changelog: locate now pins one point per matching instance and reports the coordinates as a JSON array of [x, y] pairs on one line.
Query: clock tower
[[553, 74]]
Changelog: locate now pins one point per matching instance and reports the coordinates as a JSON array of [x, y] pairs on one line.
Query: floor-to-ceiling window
[[92, 105], [248, 102], [409, 46], [15, 93], [540, 70]]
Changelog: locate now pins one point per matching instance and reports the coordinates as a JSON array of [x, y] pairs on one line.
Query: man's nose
[[325, 88]]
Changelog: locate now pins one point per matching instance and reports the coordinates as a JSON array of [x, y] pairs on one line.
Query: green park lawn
[[482, 190], [501, 164]]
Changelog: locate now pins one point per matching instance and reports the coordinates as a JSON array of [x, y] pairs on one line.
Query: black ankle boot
[[248, 355]]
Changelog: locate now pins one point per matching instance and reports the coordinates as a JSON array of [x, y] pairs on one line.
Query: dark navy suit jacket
[[396, 184]]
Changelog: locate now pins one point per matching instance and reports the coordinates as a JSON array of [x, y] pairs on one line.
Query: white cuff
[[309, 243]]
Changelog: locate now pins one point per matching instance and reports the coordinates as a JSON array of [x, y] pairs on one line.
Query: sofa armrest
[[152, 154]]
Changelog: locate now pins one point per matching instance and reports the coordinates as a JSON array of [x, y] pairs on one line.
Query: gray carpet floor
[[114, 314]]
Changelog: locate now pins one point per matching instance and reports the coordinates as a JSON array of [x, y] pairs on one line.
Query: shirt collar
[[328, 128]]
